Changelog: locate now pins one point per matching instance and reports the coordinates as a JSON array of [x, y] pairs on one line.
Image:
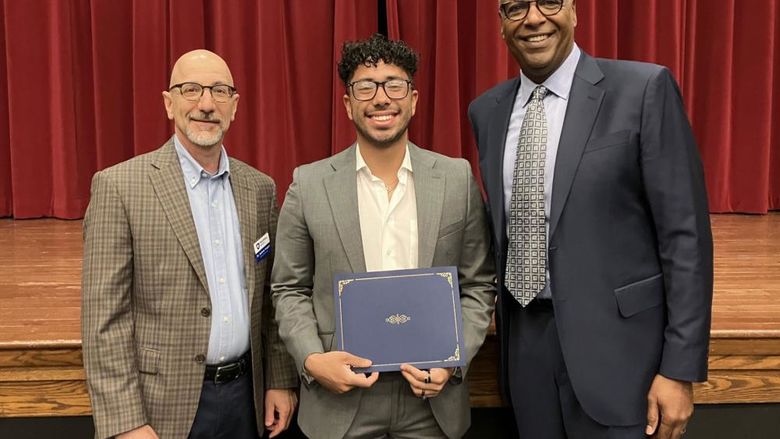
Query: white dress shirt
[[555, 104], [388, 226]]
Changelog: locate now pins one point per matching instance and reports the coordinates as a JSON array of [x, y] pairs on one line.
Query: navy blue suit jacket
[[630, 248]]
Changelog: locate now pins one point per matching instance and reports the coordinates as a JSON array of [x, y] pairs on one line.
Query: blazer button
[[205, 312], [200, 358]]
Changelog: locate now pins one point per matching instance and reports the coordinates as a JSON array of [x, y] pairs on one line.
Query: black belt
[[227, 372]]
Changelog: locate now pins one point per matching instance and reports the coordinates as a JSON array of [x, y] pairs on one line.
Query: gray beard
[[207, 142]]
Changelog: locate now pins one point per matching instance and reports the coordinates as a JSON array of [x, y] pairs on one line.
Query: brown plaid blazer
[[144, 292]]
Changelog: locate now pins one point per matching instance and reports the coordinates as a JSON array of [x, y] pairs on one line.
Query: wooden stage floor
[[40, 354]]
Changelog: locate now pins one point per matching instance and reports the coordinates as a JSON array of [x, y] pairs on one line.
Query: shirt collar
[[361, 164], [193, 171], [559, 83]]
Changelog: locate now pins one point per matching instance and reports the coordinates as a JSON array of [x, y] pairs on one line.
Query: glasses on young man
[[365, 89], [518, 10], [192, 91]]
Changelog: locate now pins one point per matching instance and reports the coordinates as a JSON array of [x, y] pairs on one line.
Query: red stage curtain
[[80, 85], [80, 82], [460, 57], [732, 86], [725, 59]]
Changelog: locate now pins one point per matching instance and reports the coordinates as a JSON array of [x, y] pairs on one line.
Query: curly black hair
[[372, 50]]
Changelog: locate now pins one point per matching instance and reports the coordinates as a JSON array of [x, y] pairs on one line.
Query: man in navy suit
[[601, 229]]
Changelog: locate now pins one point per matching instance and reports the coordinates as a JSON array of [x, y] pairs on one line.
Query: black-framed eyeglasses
[[192, 91], [518, 10], [365, 89]]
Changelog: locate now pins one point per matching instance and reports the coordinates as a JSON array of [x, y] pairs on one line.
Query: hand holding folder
[[333, 370], [401, 316]]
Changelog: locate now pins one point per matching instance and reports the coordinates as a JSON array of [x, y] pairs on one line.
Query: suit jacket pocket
[[149, 361], [641, 295], [450, 228], [614, 139]]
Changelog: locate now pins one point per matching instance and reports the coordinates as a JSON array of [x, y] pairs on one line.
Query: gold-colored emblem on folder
[[398, 319]]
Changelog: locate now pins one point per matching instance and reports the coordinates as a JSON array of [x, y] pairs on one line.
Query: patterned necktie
[[527, 252]]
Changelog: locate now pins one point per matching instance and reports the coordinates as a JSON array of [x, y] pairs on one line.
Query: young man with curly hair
[[382, 204]]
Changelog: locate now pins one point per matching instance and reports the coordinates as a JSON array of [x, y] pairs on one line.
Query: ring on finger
[[428, 378], [422, 393]]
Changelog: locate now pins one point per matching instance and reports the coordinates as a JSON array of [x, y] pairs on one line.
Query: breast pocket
[[612, 140], [451, 228]]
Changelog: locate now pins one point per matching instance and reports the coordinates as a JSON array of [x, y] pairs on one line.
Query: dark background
[[724, 421]]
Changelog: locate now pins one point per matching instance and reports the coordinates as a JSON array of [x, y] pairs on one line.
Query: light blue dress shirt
[[555, 104], [219, 234]]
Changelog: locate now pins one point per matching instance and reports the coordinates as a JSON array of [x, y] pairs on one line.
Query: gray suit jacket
[[630, 253], [319, 235], [145, 324]]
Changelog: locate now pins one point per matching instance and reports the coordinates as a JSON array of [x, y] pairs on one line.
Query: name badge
[[262, 247]]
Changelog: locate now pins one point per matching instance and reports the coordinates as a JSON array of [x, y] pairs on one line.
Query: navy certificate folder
[[402, 316]]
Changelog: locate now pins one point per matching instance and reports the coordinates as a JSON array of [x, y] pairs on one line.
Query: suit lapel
[[429, 192], [168, 184], [246, 206], [581, 113], [499, 124], [341, 187]]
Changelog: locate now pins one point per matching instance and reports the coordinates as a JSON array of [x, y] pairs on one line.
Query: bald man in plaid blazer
[[147, 294]]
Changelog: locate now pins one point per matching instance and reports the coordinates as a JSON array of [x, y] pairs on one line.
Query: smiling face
[[541, 44], [381, 122], [203, 122]]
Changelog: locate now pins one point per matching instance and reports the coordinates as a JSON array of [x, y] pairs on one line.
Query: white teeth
[[382, 118], [537, 38]]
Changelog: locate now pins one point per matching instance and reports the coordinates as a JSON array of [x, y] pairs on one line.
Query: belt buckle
[[226, 371]]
